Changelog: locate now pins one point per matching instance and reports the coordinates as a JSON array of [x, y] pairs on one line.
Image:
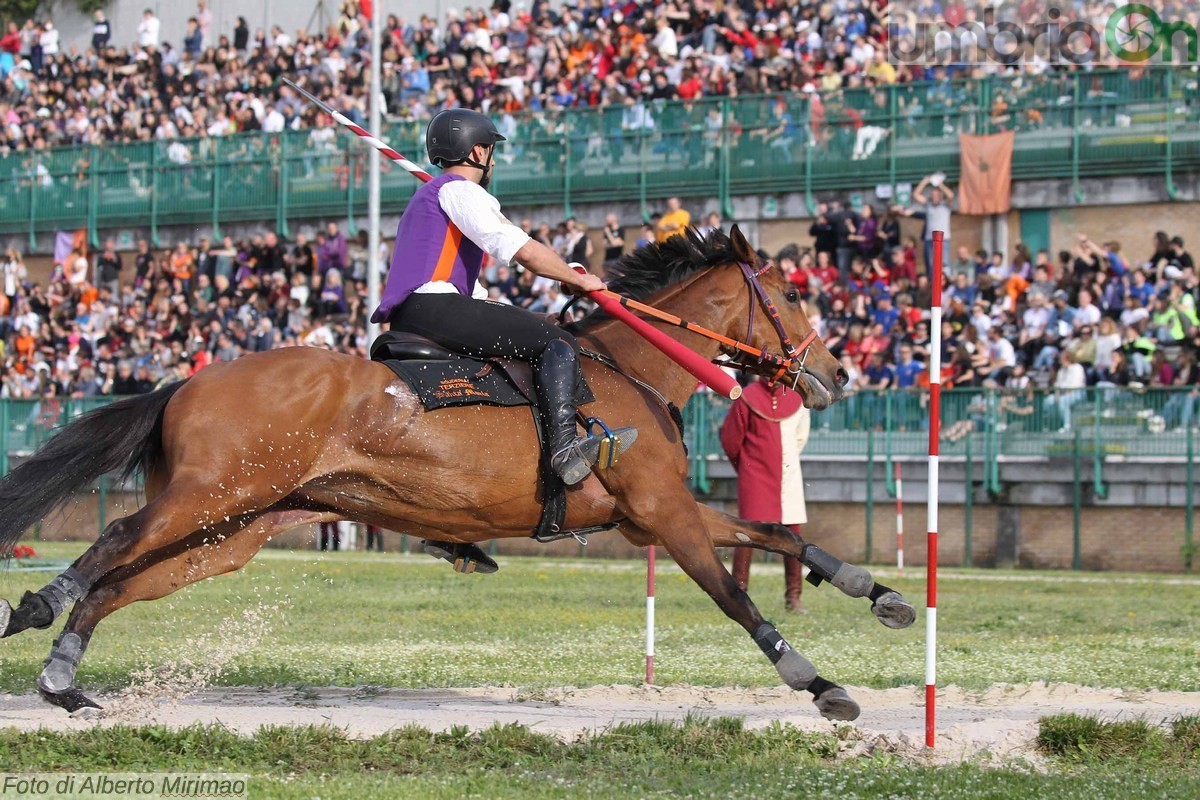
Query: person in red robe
[[763, 435]]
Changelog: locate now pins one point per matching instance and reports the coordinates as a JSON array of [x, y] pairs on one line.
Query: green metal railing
[[1069, 126], [876, 427], [1000, 423], [1085, 426]]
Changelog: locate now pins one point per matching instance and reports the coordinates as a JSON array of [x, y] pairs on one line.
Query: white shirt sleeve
[[477, 214]]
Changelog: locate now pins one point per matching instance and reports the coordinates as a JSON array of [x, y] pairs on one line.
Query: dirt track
[[1001, 722]]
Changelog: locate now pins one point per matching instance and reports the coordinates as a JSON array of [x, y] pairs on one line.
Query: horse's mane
[[656, 266]]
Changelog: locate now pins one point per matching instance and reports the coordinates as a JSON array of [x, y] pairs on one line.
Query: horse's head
[[776, 322]]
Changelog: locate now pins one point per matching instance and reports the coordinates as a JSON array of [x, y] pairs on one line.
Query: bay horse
[[245, 450]]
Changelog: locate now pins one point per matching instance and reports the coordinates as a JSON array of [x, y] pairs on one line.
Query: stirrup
[[576, 460], [465, 558]]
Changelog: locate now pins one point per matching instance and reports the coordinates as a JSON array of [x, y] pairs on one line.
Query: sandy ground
[[1000, 723]]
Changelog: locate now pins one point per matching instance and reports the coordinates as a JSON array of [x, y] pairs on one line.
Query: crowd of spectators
[[109, 323], [115, 324], [1095, 316], [152, 83]]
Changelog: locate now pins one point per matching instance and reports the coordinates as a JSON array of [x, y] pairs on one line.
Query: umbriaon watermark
[[921, 32]]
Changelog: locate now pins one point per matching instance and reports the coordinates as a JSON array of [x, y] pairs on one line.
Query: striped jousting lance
[[611, 303], [361, 132]]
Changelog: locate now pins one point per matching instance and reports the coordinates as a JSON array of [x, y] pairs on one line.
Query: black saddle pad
[[459, 382], [445, 379]]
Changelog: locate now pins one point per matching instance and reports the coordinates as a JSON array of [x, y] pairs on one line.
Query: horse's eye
[[792, 296]]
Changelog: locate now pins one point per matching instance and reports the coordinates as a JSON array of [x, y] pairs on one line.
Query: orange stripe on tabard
[[445, 264]]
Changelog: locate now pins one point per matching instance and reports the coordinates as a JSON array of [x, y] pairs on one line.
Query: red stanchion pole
[[650, 558], [935, 416]]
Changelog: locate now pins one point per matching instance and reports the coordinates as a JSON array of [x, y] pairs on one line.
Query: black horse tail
[[125, 436]]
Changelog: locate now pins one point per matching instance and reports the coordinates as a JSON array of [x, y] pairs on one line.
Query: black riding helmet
[[453, 132]]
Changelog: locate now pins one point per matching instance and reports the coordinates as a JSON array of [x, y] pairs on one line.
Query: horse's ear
[[741, 247]]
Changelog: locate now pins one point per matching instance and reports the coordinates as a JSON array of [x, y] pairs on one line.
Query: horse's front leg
[[677, 524], [888, 605]]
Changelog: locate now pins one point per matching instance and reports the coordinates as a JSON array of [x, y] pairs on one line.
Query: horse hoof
[[836, 704], [72, 700], [5, 616], [894, 611]]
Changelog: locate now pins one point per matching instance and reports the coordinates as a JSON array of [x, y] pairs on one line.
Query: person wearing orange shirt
[[672, 223], [182, 265], [25, 343]]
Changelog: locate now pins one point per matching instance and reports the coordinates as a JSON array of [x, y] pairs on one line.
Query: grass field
[[396, 621], [715, 758], [410, 621]]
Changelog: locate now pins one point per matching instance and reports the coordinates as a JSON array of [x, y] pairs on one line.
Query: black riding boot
[[572, 457]]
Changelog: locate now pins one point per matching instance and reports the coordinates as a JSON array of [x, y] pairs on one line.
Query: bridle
[[740, 355], [786, 367]]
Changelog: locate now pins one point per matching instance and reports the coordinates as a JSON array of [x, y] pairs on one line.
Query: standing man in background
[[763, 435], [936, 212], [614, 239]]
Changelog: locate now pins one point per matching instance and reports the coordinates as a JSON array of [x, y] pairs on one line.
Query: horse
[[245, 450]]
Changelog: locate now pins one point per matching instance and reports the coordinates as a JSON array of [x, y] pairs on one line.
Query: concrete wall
[[1134, 229], [1117, 537]]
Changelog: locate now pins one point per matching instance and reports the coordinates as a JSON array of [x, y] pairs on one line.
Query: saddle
[[442, 378], [445, 379]]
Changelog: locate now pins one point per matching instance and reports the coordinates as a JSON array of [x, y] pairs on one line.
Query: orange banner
[[986, 183]]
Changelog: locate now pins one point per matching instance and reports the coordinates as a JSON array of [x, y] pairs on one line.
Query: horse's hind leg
[[888, 605], [164, 521], [676, 520], [202, 555]]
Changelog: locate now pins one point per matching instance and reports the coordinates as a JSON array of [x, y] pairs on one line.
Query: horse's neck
[[700, 305]]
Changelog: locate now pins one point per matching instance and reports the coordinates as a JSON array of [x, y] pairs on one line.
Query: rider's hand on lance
[[584, 282], [587, 282]]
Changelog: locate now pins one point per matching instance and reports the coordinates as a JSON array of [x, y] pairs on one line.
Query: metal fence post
[[33, 190], [1189, 552], [725, 190], [215, 144], [1169, 104], [870, 494], [992, 467], [154, 191], [642, 170], [701, 444], [1076, 141], [968, 501], [1098, 486], [350, 227], [888, 421], [568, 119], [894, 124], [1077, 500], [809, 200], [282, 227], [93, 195]]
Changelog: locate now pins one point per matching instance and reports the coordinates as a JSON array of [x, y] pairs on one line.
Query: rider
[[431, 290]]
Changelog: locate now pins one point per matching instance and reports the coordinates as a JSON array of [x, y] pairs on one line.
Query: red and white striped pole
[[899, 521], [935, 417], [650, 557]]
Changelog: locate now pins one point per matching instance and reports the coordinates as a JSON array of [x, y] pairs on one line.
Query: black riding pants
[[479, 328]]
